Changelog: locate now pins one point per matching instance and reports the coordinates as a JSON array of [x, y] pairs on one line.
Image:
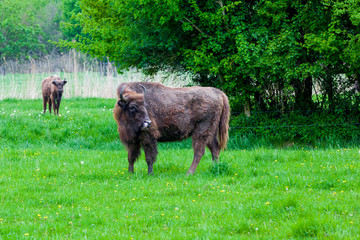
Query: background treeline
[[284, 57], [28, 27]]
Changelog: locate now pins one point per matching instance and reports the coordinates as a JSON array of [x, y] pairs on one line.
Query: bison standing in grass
[[148, 113], [52, 90]]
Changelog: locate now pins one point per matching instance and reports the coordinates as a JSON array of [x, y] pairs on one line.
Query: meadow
[[66, 177]]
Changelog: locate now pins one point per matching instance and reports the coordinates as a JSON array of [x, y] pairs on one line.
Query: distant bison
[[52, 90], [148, 113]]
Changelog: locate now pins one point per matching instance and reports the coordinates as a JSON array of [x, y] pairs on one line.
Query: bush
[[312, 127]]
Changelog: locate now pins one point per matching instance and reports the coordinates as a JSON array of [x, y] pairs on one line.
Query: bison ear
[[65, 81], [53, 82], [121, 104]]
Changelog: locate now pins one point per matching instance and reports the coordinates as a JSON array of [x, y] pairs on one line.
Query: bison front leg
[[58, 104], [133, 154], [150, 155], [199, 150], [50, 105], [53, 102]]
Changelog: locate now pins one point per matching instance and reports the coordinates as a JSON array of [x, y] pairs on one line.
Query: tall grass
[[66, 177], [86, 77]]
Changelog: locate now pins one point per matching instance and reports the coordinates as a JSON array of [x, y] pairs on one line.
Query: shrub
[[312, 127]]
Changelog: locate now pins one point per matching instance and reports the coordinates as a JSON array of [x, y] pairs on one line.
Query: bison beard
[[148, 113]]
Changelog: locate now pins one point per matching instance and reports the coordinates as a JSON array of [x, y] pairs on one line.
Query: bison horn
[[121, 94], [143, 88]]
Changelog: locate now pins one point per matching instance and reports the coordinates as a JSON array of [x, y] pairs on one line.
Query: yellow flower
[[267, 203]]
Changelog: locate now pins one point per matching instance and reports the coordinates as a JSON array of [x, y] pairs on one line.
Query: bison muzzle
[[147, 113]]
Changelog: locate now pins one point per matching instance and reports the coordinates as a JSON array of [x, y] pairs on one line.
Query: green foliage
[[28, 28], [321, 128], [19, 33], [69, 26], [266, 54]]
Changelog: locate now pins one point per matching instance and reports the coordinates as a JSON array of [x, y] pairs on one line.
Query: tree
[[264, 54], [19, 34], [69, 26]]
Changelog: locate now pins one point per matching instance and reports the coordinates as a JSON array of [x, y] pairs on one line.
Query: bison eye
[[133, 109]]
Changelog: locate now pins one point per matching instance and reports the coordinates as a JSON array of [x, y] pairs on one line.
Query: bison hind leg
[[45, 102], [150, 154], [199, 151], [214, 147], [204, 135]]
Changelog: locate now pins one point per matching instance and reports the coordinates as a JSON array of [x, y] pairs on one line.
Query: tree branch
[[220, 2], [196, 27]]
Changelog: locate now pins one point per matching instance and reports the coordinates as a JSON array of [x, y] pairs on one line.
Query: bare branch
[[220, 2], [196, 27]]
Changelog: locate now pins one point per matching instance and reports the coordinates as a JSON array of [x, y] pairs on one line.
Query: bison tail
[[224, 123]]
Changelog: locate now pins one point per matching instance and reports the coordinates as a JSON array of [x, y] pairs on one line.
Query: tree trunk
[[247, 106], [303, 93], [259, 102], [329, 90]]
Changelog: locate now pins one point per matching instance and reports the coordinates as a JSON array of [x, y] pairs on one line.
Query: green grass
[[66, 177]]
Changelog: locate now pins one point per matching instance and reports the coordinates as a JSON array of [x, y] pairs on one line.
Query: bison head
[[134, 113], [59, 85]]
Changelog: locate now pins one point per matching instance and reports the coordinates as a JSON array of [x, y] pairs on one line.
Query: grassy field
[[66, 177]]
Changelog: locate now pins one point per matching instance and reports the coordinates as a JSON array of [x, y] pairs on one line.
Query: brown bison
[[52, 90], [147, 113]]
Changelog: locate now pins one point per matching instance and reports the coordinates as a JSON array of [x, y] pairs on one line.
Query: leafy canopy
[[268, 51], [19, 33]]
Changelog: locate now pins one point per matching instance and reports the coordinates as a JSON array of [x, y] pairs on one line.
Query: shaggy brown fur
[[52, 90], [164, 114]]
